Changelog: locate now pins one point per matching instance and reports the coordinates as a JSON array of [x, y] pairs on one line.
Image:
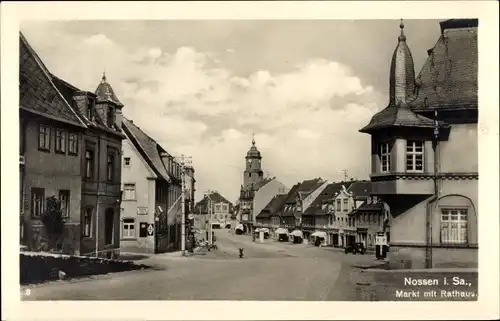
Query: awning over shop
[[297, 233], [240, 227], [319, 234], [281, 231]]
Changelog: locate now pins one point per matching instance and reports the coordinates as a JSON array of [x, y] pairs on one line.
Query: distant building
[[347, 200], [263, 219], [256, 191], [371, 220], [282, 219], [425, 152], [318, 219], [306, 193], [217, 210]]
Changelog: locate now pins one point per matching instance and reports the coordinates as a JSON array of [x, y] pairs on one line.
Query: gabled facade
[[307, 192], [419, 168], [283, 217], [50, 154], [318, 218], [151, 194], [217, 210], [101, 163], [95, 149], [371, 220]]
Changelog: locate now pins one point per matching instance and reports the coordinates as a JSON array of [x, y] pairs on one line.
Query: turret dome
[[104, 92], [253, 152], [402, 74]]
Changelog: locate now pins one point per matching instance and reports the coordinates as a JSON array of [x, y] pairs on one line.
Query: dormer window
[[90, 110], [110, 117], [384, 154]]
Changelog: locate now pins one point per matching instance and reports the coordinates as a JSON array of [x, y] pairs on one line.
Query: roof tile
[[149, 147], [37, 92]]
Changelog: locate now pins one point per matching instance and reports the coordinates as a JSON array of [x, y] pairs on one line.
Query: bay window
[[384, 155]]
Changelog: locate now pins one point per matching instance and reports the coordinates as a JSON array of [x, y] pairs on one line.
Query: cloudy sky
[[201, 88]]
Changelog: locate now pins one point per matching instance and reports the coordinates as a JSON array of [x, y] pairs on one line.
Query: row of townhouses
[[327, 213], [423, 189], [118, 188]]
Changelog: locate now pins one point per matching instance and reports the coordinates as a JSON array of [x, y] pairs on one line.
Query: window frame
[[129, 222], [60, 141], [125, 185], [89, 162], [461, 239], [65, 193], [345, 205], [110, 116], [41, 207], [338, 205], [47, 137], [384, 156], [76, 143], [126, 161], [88, 214], [413, 154], [111, 165]]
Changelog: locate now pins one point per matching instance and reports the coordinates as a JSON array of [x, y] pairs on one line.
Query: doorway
[[109, 219]]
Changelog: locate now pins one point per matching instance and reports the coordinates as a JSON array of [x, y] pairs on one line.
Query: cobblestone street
[[269, 271]]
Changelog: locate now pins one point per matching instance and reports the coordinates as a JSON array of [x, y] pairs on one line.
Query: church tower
[[253, 167]]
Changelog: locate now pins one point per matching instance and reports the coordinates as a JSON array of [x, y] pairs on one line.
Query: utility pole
[[209, 203], [183, 160]]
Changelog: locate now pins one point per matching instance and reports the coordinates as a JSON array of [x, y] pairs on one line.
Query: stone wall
[[69, 241], [36, 267]]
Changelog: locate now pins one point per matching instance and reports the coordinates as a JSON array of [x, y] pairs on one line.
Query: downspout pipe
[[434, 198]]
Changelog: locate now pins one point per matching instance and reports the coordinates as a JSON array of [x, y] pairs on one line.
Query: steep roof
[[150, 150], [216, 197], [328, 193], [398, 116], [449, 78], [68, 91], [105, 92], [309, 186], [262, 183], [369, 207], [289, 200], [273, 206], [37, 92], [360, 189]]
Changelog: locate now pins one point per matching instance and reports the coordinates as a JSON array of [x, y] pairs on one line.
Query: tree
[[53, 221]]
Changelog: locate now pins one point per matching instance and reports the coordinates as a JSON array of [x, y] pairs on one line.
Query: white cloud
[[306, 120]]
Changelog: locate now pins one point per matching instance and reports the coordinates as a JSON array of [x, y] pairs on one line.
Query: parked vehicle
[[355, 248]]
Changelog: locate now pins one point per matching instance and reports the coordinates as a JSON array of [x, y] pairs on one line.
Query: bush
[[53, 222]]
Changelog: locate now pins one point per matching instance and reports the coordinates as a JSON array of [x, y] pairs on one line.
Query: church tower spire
[[253, 168], [402, 74]]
